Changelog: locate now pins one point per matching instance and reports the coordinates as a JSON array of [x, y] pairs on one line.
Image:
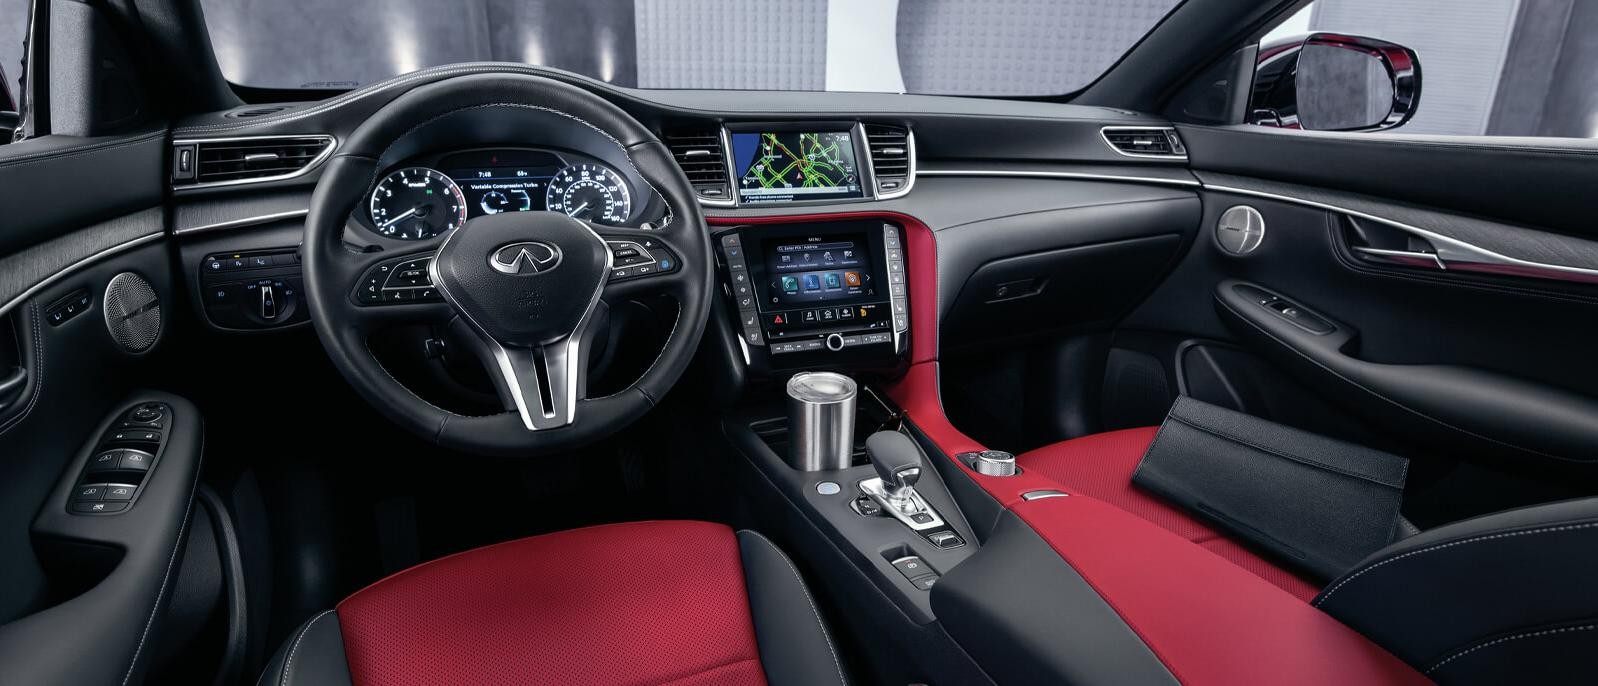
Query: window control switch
[[88, 493], [105, 461], [135, 461], [121, 492]]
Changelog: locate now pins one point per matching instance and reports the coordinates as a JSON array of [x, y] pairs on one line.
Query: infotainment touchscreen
[[795, 166], [818, 269]]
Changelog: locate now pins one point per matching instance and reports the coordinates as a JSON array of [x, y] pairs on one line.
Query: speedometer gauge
[[589, 191], [417, 203]]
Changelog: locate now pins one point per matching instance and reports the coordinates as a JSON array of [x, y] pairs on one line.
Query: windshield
[[951, 47]]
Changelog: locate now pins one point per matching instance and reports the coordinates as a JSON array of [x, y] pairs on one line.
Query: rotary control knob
[[992, 463]]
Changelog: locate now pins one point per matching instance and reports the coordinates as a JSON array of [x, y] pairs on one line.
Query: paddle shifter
[[898, 464]]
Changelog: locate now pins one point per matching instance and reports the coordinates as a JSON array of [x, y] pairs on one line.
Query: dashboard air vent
[[1145, 142], [892, 158], [249, 159], [699, 153]]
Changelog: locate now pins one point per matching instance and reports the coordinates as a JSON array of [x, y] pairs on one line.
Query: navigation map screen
[[793, 166]]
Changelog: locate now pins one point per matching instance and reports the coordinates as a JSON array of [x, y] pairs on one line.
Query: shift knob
[[896, 458]]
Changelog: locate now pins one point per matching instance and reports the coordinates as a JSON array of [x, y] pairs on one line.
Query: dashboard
[[426, 196]]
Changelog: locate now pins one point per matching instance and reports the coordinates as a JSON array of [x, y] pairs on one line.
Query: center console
[[830, 294]]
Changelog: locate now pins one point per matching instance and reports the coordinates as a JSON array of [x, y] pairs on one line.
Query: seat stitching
[[1508, 534], [1506, 639], [707, 670], [288, 664], [825, 637]]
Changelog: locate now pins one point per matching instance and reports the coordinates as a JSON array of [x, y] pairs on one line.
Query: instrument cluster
[[427, 197]]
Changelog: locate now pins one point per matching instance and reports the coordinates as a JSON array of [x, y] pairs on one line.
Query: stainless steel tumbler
[[820, 421]]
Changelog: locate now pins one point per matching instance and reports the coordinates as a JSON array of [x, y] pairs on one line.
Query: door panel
[[83, 592], [1417, 336]]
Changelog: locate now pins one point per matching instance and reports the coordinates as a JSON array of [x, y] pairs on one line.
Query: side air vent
[[244, 160], [1145, 142], [699, 153], [892, 159]]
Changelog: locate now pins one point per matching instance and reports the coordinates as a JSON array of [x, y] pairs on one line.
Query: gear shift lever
[[898, 461]]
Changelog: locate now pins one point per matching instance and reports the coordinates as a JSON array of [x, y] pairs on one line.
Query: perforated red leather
[[1207, 621], [1101, 466], [637, 603]]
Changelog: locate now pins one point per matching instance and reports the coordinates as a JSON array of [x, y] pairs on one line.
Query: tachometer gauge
[[416, 203], [589, 191]]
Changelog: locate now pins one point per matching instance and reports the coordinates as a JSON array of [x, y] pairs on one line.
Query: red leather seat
[[682, 603], [1101, 466]]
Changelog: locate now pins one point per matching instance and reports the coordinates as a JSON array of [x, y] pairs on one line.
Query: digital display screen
[[491, 190], [794, 166], [818, 270]]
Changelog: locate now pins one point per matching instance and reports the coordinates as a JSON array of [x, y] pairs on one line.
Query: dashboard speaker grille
[[132, 312], [699, 153]]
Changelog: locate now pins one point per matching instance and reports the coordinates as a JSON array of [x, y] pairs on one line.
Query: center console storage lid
[[1205, 619], [1318, 504]]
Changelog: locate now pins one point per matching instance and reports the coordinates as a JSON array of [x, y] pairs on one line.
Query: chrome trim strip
[[332, 144], [1171, 129], [1087, 176], [1448, 249], [243, 222], [1404, 254], [75, 266]]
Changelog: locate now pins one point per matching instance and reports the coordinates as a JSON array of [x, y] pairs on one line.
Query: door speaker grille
[[132, 312]]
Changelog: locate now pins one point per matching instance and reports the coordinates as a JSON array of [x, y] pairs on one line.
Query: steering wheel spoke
[[542, 384]]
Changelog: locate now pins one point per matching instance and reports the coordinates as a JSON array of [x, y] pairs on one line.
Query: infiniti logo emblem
[[528, 257]]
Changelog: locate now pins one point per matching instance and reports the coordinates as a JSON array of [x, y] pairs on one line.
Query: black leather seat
[[683, 603]]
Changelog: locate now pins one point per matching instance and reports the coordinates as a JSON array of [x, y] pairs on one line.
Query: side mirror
[[1335, 82]]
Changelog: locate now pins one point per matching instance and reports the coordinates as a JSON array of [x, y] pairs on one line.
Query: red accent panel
[[647, 602], [1101, 466], [917, 395], [1207, 620], [921, 257]]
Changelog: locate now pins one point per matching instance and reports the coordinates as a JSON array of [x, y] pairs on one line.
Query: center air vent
[[237, 160], [699, 153], [892, 159], [1145, 142]]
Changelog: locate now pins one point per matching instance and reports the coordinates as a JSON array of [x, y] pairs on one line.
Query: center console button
[[912, 567], [835, 342]]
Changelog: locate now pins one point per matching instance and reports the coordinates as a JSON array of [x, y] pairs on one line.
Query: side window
[[1485, 68], [14, 18]]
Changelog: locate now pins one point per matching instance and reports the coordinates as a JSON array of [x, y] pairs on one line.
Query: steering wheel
[[525, 288]]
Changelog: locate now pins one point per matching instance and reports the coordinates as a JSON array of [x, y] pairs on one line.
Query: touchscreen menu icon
[[812, 282], [790, 284], [851, 278], [833, 282]]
